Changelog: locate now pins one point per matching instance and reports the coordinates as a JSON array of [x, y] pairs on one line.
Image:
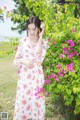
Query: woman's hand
[[39, 45], [27, 63], [41, 33], [30, 65]]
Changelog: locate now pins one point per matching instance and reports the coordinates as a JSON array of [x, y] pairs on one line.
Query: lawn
[[8, 82]]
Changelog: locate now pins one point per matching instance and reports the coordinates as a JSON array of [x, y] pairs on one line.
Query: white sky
[[5, 27]]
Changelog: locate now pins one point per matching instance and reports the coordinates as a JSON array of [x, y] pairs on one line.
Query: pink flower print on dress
[[35, 114], [24, 86], [25, 69], [29, 76], [24, 102], [39, 71], [23, 112], [28, 107], [24, 117], [28, 92], [37, 104]]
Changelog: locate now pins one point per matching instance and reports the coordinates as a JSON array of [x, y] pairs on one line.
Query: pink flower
[[76, 53], [55, 77], [65, 72], [52, 64], [40, 90], [36, 93], [73, 30], [70, 67], [71, 42], [61, 55], [52, 75], [47, 76], [79, 42], [46, 93], [68, 48], [48, 39], [53, 43], [61, 70], [58, 66], [47, 81], [38, 97], [65, 50], [61, 74], [71, 54]]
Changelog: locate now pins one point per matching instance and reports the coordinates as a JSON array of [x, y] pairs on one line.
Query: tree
[[21, 14]]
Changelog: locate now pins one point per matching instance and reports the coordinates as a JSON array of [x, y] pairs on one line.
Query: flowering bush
[[62, 69]]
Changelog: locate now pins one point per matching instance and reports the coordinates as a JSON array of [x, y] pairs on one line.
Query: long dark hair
[[35, 20]]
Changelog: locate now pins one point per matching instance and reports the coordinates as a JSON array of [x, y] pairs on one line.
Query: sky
[[5, 27]]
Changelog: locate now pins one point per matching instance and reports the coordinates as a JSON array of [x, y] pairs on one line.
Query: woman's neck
[[35, 39]]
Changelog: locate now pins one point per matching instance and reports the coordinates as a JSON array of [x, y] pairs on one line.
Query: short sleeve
[[40, 57]]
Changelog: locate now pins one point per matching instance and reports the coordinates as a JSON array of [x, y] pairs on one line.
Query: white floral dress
[[30, 80]]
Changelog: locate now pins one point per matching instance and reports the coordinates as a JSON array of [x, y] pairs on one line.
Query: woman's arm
[[19, 60], [18, 55], [39, 46], [39, 57]]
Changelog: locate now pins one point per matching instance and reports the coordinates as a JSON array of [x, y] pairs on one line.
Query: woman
[[29, 57]]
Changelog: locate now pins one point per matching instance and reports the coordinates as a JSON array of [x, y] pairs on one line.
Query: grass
[[6, 46], [8, 80]]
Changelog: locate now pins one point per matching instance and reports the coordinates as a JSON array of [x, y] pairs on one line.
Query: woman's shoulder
[[23, 40]]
